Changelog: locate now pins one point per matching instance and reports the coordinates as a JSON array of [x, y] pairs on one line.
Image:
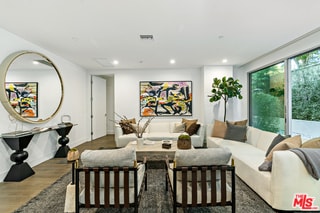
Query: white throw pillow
[[179, 127]]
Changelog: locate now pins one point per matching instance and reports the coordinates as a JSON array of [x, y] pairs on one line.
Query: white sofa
[[278, 187], [157, 131]]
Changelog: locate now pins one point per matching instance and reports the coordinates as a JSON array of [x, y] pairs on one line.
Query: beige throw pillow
[[312, 143], [239, 123], [289, 143], [219, 129]]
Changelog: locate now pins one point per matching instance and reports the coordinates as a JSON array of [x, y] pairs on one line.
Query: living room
[[77, 89]]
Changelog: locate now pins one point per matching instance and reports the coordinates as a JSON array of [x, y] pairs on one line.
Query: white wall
[[76, 103]]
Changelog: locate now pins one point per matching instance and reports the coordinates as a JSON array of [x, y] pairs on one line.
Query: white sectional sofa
[[278, 187], [157, 131]]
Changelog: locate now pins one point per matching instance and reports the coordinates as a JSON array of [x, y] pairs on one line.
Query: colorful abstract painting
[[23, 98], [165, 98]]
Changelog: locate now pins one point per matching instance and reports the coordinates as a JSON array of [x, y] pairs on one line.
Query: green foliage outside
[[267, 98], [305, 81], [224, 89], [306, 93], [266, 112]]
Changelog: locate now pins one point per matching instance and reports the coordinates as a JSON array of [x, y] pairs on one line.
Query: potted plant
[[225, 88], [184, 141]]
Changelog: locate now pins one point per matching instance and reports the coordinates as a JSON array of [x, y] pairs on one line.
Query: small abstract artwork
[[23, 97], [165, 98]]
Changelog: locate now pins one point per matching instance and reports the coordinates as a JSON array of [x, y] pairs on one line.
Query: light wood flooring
[[15, 194]]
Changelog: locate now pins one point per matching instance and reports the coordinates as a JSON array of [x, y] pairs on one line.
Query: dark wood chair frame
[[194, 170], [108, 171]]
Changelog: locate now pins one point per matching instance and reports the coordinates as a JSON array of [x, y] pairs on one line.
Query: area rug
[[155, 200]]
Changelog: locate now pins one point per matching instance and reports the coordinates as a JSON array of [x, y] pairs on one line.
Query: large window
[[267, 98], [304, 72]]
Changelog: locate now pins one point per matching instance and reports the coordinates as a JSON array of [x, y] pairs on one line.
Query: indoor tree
[[225, 88]]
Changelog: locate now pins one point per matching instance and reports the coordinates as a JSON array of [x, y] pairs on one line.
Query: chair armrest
[[144, 161]]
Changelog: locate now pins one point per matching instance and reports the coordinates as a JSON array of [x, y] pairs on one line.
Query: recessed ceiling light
[[224, 60], [115, 62], [172, 61], [35, 62]]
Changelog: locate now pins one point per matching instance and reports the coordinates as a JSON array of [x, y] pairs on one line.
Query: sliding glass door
[[267, 98], [293, 84], [304, 75]]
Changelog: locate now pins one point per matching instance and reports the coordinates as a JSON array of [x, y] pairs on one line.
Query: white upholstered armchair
[[110, 178], [199, 178]]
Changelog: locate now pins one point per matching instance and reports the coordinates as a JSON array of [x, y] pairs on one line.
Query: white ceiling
[[193, 32]]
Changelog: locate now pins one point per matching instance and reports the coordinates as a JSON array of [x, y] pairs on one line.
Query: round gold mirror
[[31, 87]]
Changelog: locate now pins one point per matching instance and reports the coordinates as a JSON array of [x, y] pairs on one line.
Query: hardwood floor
[[15, 194]]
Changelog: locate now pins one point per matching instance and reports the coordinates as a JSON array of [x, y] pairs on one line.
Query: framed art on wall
[[23, 97], [165, 98]]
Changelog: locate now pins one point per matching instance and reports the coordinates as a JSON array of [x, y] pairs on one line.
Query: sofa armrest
[[117, 133], [201, 132], [200, 135], [290, 177]]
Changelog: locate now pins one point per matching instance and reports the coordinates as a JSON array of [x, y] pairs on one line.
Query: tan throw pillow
[[188, 122], [240, 123], [312, 143], [289, 143], [219, 129]]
